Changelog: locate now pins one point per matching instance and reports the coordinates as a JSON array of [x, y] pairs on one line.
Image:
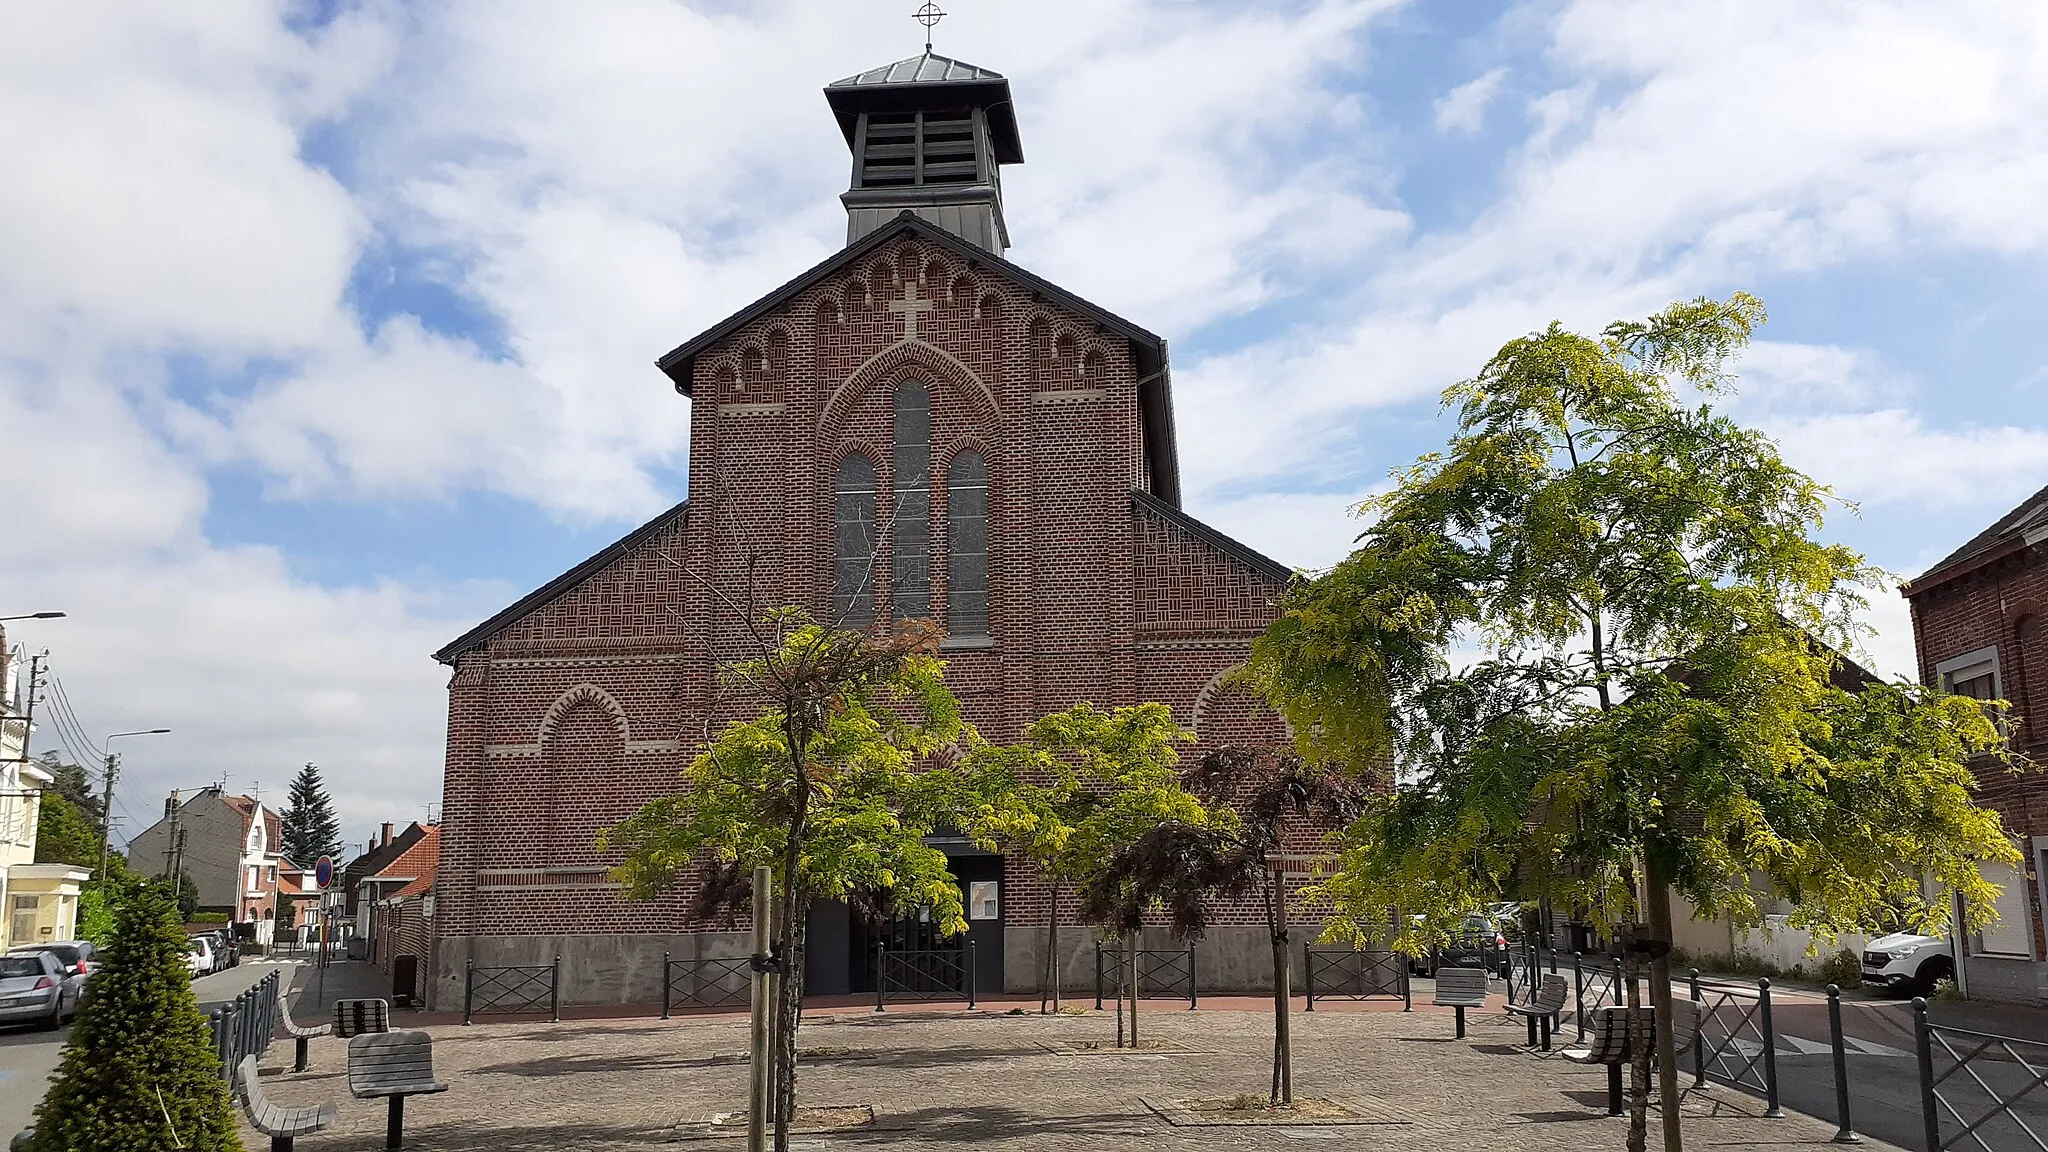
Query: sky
[[327, 329]]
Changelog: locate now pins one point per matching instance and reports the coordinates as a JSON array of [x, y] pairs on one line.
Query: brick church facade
[[915, 427]]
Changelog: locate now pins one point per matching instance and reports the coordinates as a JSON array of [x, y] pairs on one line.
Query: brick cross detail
[[910, 307]]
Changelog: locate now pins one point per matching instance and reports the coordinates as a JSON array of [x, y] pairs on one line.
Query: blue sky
[[327, 329]]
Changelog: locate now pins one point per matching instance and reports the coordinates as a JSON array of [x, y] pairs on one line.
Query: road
[[1884, 1074], [28, 1057]]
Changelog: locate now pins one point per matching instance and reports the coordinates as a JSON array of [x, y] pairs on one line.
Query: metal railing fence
[[1163, 973], [1983, 1077], [245, 1025], [1595, 985], [1737, 1044], [706, 985], [1361, 974], [924, 974], [512, 988]]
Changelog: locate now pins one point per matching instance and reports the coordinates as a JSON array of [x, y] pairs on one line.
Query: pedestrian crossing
[[1800, 1046]]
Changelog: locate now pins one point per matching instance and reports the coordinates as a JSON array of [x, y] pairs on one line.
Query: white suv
[[1906, 962]]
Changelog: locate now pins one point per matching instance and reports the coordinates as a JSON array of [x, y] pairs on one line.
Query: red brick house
[[915, 427], [399, 903], [1980, 627]]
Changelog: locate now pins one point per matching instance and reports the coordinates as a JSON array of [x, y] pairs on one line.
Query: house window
[[853, 517], [270, 875], [910, 524], [984, 900], [967, 545], [1973, 674]]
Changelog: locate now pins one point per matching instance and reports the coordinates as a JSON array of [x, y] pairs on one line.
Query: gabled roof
[[1244, 553], [2024, 525], [1155, 390], [930, 68], [372, 862], [419, 860], [560, 584]]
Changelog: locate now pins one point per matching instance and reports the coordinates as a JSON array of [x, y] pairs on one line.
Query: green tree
[[311, 829], [65, 835], [823, 785], [75, 783], [1080, 784], [1651, 707], [139, 1072]]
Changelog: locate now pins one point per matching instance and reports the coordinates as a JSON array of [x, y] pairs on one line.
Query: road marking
[[1804, 1047], [1800, 1046], [1873, 1048]]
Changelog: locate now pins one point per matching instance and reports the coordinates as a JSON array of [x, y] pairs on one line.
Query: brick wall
[[2001, 604], [593, 703]]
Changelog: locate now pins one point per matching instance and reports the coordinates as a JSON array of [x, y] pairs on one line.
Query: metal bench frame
[[1542, 1007], [301, 1035], [277, 1121], [1459, 989], [1610, 1040], [392, 1065], [354, 1018]]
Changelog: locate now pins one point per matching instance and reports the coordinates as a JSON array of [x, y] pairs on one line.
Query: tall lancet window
[[967, 546], [911, 520], [853, 517]]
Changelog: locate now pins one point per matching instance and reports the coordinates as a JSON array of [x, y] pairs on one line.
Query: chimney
[[385, 839], [171, 804]]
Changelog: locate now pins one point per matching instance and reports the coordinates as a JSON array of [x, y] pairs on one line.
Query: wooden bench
[[1543, 1006], [1460, 988], [393, 1065], [297, 1033], [1608, 1041], [275, 1120], [361, 1017]]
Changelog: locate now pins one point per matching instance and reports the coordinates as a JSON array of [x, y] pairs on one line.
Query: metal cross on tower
[[929, 16]]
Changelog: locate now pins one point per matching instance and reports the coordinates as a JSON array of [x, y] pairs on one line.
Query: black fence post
[[1923, 1048], [1191, 977], [555, 991], [970, 975], [881, 972], [1845, 1133], [1308, 976], [468, 986], [1098, 975], [1699, 1042], [1763, 995], [664, 985], [1579, 993], [1407, 986]]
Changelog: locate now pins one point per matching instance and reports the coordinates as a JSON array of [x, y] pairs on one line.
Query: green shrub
[[207, 918], [1945, 990], [1843, 970], [139, 1073]]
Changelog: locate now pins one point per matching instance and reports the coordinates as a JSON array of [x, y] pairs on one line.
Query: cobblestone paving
[[986, 1080]]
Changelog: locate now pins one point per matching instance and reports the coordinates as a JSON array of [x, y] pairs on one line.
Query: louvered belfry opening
[[929, 135], [908, 149]]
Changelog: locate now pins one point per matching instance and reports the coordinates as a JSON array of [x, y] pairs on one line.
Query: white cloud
[[1463, 109], [1892, 456]]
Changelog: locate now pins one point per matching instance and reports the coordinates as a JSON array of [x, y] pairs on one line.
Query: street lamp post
[[107, 802], [33, 616]]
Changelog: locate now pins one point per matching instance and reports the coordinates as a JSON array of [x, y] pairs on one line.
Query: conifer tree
[[139, 1072], [311, 830]]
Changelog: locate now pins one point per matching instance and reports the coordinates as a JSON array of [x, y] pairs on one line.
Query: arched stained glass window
[[967, 545], [910, 585], [853, 534]]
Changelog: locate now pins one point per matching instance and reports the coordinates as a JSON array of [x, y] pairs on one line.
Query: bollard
[[882, 972], [555, 992], [1845, 1133], [1308, 977], [1191, 977], [1923, 1048], [1407, 988], [468, 986], [1699, 1043], [664, 985], [1098, 975], [1579, 994], [970, 975], [1763, 995]]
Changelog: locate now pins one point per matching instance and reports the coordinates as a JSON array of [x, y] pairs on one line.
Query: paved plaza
[[946, 1079]]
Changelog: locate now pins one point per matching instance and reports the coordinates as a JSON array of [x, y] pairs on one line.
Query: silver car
[[33, 990], [75, 957]]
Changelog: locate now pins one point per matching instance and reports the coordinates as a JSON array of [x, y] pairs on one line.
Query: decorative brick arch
[[883, 369], [1215, 690], [584, 693]]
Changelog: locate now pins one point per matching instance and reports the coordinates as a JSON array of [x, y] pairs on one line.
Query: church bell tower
[[929, 135]]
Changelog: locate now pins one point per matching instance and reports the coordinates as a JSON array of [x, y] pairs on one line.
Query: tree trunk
[[1132, 971], [1639, 1061], [1051, 984], [1660, 996], [1283, 1053], [790, 985]]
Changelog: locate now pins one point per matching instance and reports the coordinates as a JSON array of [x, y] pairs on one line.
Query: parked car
[[1908, 962], [1477, 942], [200, 956], [33, 990], [74, 956]]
